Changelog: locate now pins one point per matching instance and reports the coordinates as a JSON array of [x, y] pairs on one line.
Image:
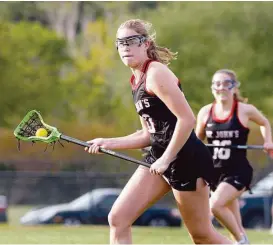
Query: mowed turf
[[99, 235], [14, 233]]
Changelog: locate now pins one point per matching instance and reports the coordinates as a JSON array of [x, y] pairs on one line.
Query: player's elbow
[[191, 120], [146, 137], [188, 121], [267, 123]]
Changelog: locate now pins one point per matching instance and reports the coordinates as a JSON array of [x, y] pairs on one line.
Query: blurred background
[[60, 58]]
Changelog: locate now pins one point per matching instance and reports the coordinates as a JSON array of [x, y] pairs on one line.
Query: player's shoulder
[[157, 65], [159, 73], [203, 113], [245, 107], [158, 69], [205, 109]]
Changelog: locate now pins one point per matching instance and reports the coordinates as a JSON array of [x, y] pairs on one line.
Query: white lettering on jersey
[[150, 123], [146, 103], [224, 134], [221, 153], [141, 104]]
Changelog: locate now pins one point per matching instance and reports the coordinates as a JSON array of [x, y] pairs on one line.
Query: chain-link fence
[[33, 188], [40, 188], [50, 188]]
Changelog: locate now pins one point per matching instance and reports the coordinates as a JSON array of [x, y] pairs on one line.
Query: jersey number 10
[[221, 153]]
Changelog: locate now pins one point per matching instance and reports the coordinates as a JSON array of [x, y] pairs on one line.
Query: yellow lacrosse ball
[[41, 132]]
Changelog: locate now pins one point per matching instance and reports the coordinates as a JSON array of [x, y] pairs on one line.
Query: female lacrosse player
[[179, 161], [225, 122]]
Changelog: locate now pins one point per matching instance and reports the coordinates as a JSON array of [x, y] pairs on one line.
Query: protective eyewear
[[227, 84], [131, 41]]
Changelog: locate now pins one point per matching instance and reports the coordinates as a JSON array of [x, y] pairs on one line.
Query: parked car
[[3, 209], [93, 208], [256, 207]]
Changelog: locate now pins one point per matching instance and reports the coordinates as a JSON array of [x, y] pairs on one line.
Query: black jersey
[[192, 161], [160, 120], [229, 131]]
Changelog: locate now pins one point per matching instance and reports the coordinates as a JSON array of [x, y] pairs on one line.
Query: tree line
[[60, 58]]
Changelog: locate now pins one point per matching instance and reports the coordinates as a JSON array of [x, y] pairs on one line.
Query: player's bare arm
[[137, 140], [256, 116], [201, 122]]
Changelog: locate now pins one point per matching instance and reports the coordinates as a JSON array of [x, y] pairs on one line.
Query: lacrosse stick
[[26, 131], [245, 147]]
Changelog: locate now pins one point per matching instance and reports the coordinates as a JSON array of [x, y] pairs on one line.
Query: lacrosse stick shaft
[[245, 147], [109, 152]]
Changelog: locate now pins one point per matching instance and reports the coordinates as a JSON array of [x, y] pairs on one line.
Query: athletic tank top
[[160, 120], [229, 131]]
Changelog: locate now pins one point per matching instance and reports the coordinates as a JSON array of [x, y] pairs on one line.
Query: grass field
[[14, 233]]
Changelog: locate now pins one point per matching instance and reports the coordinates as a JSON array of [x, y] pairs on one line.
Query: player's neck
[[138, 71], [224, 105]]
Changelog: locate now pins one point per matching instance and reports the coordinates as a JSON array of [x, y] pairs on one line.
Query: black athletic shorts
[[193, 161], [239, 178]]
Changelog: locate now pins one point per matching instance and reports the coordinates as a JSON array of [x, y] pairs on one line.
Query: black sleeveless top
[[160, 120], [229, 131]]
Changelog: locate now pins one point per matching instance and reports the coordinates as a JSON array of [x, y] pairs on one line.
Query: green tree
[[210, 36], [86, 87], [31, 60]]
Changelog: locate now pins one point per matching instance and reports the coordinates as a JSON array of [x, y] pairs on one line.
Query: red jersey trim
[[143, 70], [214, 118]]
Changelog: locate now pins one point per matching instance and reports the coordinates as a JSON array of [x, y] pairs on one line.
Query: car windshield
[[265, 184], [82, 202]]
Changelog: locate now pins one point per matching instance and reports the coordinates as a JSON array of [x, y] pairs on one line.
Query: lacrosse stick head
[[26, 130]]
